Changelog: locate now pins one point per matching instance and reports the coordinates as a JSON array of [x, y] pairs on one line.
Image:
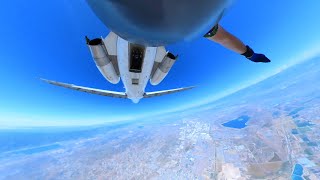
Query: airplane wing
[[88, 90], [160, 93]]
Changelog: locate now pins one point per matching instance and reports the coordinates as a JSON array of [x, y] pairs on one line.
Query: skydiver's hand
[[259, 58]]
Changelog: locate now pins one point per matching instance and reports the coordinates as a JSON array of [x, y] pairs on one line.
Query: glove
[[254, 57], [259, 58]]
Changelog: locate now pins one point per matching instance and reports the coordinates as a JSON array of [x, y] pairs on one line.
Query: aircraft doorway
[[136, 58]]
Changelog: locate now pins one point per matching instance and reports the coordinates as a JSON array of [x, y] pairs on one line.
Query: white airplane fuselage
[[134, 90], [135, 63]]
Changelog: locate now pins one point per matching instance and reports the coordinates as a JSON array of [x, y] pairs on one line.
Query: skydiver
[[219, 35]]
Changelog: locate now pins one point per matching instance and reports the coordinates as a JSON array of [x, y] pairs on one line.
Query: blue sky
[[46, 39]]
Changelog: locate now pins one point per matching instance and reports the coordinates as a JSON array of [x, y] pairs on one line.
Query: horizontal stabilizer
[[88, 90], [160, 93]]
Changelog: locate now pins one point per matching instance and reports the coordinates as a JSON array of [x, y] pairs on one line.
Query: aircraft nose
[[157, 22]]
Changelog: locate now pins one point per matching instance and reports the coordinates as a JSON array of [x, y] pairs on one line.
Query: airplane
[[134, 64], [134, 49]]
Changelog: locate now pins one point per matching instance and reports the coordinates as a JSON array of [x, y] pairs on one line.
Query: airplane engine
[[163, 69], [100, 55]]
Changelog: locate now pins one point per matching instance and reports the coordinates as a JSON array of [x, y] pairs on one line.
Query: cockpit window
[[136, 58]]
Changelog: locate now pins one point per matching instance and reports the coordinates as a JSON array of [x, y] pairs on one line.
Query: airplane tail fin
[[87, 89], [164, 92], [113, 93]]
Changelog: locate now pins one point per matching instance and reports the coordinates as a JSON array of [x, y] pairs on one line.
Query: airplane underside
[[134, 64]]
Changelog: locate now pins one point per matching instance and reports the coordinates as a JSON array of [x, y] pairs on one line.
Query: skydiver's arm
[[219, 35], [228, 40]]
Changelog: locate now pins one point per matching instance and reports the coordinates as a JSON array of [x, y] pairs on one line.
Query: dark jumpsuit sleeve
[[212, 31]]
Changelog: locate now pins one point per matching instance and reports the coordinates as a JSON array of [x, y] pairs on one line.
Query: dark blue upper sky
[[46, 39]]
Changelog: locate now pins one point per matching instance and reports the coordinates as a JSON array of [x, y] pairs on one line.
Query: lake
[[238, 123], [297, 172]]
